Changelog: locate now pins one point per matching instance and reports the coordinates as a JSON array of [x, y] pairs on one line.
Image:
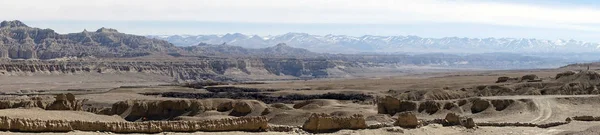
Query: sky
[[541, 19]]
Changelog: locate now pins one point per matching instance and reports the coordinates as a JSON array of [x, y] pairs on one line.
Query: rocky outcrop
[[469, 123], [178, 69], [66, 102], [6, 104], [23, 42], [506, 79], [326, 123], [141, 110], [429, 107], [229, 124], [452, 119], [61, 102], [390, 105], [566, 73], [529, 77], [145, 110], [407, 120], [479, 105]]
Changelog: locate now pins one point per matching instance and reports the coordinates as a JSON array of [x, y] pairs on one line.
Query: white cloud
[[307, 11]]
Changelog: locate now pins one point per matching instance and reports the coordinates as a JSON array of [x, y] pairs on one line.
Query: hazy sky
[[547, 19]]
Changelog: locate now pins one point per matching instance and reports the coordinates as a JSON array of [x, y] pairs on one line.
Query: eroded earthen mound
[[328, 123], [407, 120]]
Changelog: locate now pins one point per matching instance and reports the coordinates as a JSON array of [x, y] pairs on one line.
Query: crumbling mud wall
[[326, 123], [230, 124]]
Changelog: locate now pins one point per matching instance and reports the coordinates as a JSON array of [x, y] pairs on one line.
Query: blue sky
[[548, 19]]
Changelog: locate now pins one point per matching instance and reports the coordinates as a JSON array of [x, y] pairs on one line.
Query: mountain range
[[388, 44], [19, 41]]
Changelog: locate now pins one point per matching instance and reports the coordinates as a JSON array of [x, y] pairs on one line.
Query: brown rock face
[[529, 77], [65, 102], [407, 120], [566, 73], [327, 123], [390, 105], [142, 110], [429, 106], [502, 104], [139, 110], [225, 107], [479, 105], [230, 124], [452, 119], [502, 79], [469, 123], [241, 108]]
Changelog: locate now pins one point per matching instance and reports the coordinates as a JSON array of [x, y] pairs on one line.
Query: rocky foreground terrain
[[556, 101]]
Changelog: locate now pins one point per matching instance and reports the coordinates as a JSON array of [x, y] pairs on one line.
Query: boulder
[[502, 104], [469, 123], [223, 107], [451, 119], [407, 120], [241, 108]]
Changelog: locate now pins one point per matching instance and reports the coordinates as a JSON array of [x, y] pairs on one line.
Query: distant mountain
[[19, 41], [389, 44], [279, 50]]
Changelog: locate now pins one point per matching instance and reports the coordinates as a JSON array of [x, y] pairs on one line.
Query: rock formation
[[229, 124], [452, 119], [430, 107], [326, 123], [469, 123], [529, 77], [184, 70], [407, 120], [61, 102], [479, 105], [23, 42], [65, 102], [142, 110], [390, 105]]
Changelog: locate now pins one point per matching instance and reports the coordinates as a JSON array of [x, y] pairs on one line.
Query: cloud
[[308, 11]]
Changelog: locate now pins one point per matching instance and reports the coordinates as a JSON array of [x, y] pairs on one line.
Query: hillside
[[19, 41]]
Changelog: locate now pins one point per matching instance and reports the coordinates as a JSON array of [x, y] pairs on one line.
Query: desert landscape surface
[[107, 82]]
